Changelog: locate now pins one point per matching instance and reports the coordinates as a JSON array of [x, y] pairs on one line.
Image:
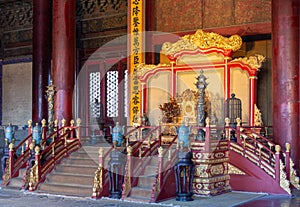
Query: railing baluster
[[11, 159], [35, 172], [72, 122], [29, 127], [277, 163], [207, 135], [238, 130], [287, 160], [78, 131], [99, 176]]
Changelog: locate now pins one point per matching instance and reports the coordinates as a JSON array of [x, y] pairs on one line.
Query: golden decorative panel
[[255, 61], [203, 40]]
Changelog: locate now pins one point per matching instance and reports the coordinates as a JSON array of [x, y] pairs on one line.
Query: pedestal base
[[184, 197], [211, 169], [211, 186]]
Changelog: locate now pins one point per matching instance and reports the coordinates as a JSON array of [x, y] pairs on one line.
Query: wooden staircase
[[143, 190], [75, 175]]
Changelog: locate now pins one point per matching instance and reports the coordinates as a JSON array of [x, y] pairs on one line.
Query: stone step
[[138, 199], [146, 181], [80, 161], [150, 170], [16, 183], [84, 160], [70, 178], [78, 169], [66, 189], [141, 192]]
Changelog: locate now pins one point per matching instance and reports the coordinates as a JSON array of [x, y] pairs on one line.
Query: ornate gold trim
[[234, 170], [33, 177], [284, 183], [294, 179], [257, 116], [98, 185], [6, 177], [203, 40], [255, 61], [143, 68]]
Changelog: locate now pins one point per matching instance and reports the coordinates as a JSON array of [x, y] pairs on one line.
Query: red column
[[41, 58], [64, 52], [227, 81], [285, 39]]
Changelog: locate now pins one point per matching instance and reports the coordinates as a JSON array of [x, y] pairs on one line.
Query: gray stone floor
[[15, 198]]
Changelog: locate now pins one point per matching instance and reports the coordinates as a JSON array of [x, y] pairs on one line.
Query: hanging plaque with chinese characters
[[136, 56]]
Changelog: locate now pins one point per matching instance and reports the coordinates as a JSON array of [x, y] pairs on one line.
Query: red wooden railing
[[143, 149], [63, 142], [101, 181], [265, 154], [163, 172], [14, 161], [134, 140], [61, 146]]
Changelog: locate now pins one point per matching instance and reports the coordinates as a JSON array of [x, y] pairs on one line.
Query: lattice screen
[[112, 94], [94, 90]]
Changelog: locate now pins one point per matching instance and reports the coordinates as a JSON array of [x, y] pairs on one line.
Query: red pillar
[[285, 39], [41, 63], [64, 52]]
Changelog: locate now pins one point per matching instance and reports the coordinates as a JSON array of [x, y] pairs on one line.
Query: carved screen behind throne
[[214, 91], [188, 105]]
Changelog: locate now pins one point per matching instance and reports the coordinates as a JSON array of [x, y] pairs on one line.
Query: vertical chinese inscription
[[136, 25]]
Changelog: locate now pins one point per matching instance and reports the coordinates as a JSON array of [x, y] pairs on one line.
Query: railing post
[[287, 160], [72, 122], [160, 165], [227, 131], [38, 162], [11, 159], [238, 130], [63, 124], [56, 128], [158, 181], [99, 176], [159, 135], [29, 132], [35, 171], [207, 135], [44, 131], [78, 128], [277, 163], [129, 174]]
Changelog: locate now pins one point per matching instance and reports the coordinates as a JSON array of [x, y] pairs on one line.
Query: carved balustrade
[[264, 153], [66, 141], [100, 179]]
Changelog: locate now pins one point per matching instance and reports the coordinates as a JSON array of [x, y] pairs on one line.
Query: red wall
[[185, 15]]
